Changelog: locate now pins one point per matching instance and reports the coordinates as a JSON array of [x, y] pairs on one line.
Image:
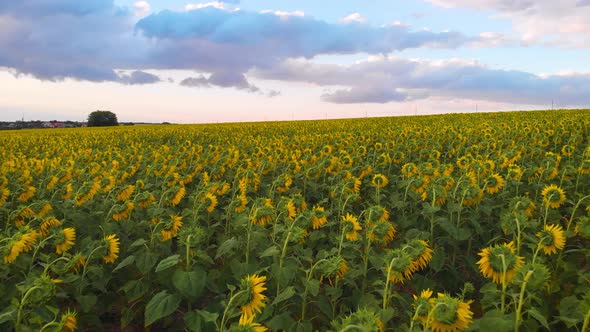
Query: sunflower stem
[[503, 297], [21, 305], [586, 325], [569, 222], [386, 290], [521, 301], [222, 324]]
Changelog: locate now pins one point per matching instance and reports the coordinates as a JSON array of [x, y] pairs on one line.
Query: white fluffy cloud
[[142, 8], [354, 17], [553, 22]]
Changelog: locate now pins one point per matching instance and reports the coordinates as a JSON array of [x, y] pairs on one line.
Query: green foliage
[[102, 119]]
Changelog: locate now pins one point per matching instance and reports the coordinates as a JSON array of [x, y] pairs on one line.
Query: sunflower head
[[351, 227], [499, 262], [423, 304], [450, 314], [551, 239], [112, 245], [494, 183], [536, 276], [398, 266], [69, 321], [553, 196], [253, 286], [379, 181], [420, 254], [65, 240]]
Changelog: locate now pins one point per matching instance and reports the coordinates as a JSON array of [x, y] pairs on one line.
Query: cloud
[[221, 79], [565, 23], [138, 77], [222, 5], [392, 79], [142, 8], [354, 17]]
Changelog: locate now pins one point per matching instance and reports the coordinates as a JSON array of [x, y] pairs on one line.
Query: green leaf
[[313, 286], [160, 306], [138, 243], [127, 261], [8, 314], [210, 317], [438, 260], [533, 312], [87, 302], [167, 263], [495, 320], [134, 289], [226, 247], [286, 294], [192, 321], [271, 251], [146, 261], [190, 284]]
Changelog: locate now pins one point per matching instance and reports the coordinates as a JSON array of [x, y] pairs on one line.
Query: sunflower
[[112, 243], [69, 321], [342, 270], [263, 212], [568, 150], [583, 169], [254, 286], [285, 183], [379, 181], [409, 170], [494, 183], [319, 217], [146, 201], [351, 227], [171, 228], [126, 193], [514, 172], [551, 238], [178, 196], [423, 304], [450, 314], [398, 266], [47, 224], [65, 240], [211, 201], [499, 262], [243, 199], [4, 193], [42, 212], [123, 211], [553, 196], [420, 254], [24, 244], [27, 195], [247, 324], [290, 209]]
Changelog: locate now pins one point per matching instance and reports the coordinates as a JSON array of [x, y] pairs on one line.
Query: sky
[[251, 60]]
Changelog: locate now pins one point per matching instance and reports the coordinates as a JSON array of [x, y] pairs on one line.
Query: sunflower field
[[477, 222]]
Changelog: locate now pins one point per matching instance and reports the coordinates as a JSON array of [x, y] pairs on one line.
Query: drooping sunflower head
[[65, 240], [584, 167], [351, 227], [553, 196], [499, 262], [473, 194], [423, 304], [420, 254], [536, 276], [178, 196], [69, 321], [398, 266], [409, 170], [551, 239], [514, 172], [47, 224], [125, 193], [494, 183], [253, 286], [379, 181], [450, 314], [318, 218], [263, 212], [210, 201], [171, 227], [112, 246], [247, 324]]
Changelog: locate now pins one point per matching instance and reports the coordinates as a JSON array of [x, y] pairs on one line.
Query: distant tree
[[102, 119]]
